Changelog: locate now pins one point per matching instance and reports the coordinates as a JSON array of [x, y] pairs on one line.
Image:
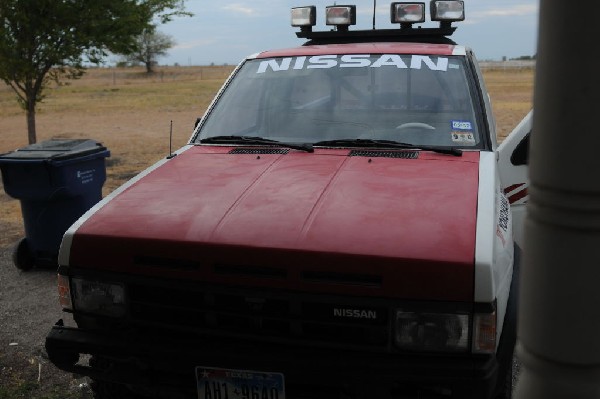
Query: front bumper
[[163, 364]]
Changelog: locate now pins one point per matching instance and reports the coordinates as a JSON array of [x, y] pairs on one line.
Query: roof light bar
[[340, 16], [404, 13], [304, 17], [447, 11], [407, 14]]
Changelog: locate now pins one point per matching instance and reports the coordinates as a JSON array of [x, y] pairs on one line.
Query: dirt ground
[[28, 308], [131, 115], [132, 118]]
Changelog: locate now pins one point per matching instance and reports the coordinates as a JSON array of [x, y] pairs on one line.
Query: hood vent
[[259, 151], [384, 154]]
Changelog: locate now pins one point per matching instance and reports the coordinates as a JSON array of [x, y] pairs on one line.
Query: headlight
[[97, 297], [432, 332]]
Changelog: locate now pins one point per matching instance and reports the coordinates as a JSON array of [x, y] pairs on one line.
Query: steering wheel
[[413, 125]]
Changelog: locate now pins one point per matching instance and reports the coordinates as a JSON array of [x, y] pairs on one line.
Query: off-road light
[[432, 332], [484, 333], [98, 297], [304, 17], [407, 13], [340, 16], [447, 11]]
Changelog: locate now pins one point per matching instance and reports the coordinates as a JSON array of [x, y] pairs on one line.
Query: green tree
[[150, 45], [50, 40]]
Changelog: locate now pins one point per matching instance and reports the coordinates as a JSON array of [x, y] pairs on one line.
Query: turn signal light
[[484, 333], [64, 292]]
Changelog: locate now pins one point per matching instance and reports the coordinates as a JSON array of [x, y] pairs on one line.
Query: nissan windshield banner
[[356, 61]]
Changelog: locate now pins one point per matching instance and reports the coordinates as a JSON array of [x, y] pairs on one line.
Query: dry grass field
[[126, 110], [130, 113]]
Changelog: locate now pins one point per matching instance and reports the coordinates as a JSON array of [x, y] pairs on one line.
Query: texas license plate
[[217, 383]]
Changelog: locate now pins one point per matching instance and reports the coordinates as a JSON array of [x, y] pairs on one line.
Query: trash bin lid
[[55, 150]]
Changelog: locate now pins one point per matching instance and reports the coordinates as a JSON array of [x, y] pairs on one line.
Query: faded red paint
[[411, 222], [362, 48]]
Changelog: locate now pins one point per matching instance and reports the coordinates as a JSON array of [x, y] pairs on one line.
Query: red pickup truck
[[340, 225]]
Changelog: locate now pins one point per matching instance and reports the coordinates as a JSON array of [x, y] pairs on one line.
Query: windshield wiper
[[372, 143], [256, 140]]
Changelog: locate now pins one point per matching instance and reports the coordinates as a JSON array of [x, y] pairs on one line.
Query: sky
[[226, 31]]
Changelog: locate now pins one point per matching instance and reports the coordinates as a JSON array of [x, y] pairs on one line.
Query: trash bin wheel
[[22, 257]]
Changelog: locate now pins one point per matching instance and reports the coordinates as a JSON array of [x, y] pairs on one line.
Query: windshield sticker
[[417, 60], [461, 125], [284, 66], [463, 137], [299, 64], [322, 62], [389, 60], [453, 66], [354, 61]]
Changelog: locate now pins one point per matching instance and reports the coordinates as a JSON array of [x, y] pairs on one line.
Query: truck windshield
[[415, 99]]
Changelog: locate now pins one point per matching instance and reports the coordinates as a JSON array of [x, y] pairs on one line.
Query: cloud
[[514, 11], [240, 8], [194, 44]]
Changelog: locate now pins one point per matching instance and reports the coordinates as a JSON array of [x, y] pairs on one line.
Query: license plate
[[217, 383]]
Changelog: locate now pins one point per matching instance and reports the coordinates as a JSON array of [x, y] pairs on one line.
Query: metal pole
[[374, 12], [559, 315]]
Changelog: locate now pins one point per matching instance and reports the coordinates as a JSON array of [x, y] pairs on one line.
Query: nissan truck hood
[[412, 222]]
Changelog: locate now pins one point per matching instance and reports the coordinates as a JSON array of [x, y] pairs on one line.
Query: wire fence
[[134, 75], [161, 74], [507, 65], [131, 75]]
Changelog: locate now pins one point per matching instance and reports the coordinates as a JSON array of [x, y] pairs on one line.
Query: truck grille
[[309, 319]]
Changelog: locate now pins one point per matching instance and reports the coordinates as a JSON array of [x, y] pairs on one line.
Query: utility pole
[[559, 315]]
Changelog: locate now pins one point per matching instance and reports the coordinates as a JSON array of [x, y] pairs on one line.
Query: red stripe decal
[[520, 195], [513, 187]]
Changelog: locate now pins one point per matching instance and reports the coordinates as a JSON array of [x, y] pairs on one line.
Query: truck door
[[513, 166]]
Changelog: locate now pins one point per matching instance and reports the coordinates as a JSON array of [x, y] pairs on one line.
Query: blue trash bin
[[56, 182]]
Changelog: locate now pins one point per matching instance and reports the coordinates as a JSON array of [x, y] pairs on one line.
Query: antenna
[[374, 11], [171, 155]]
